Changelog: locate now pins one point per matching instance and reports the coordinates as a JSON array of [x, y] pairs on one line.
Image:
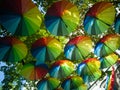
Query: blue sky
[[1, 76], [1, 73]]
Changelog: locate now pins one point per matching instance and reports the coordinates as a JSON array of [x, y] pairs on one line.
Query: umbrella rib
[[80, 52], [108, 62], [63, 21], [111, 49], [102, 21], [90, 71], [6, 55]]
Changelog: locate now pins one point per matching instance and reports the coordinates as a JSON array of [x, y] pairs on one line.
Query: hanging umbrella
[[89, 69], [48, 84], [74, 83], [107, 45], [62, 18], [31, 71], [46, 48], [110, 81], [78, 48], [20, 17], [117, 24], [108, 61], [99, 18], [61, 69], [12, 49]]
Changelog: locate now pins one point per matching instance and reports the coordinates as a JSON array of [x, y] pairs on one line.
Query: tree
[[13, 80]]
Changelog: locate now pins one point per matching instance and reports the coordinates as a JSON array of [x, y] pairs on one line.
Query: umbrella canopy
[[31, 71], [99, 18], [12, 49], [74, 83], [89, 69], [61, 69], [78, 48], [46, 48], [20, 17], [48, 84], [107, 45], [108, 61], [62, 18], [117, 24]]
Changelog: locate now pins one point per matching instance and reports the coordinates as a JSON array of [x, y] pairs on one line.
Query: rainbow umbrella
[[78, 48], [62, 18], [74, 83], [110, 81], [108, 61], [48, 84], [12, 49], [61, 69], [89, 69], [46, 48], [31, 71], [107, 45], [20, 17], [99, 18], [117, 24]]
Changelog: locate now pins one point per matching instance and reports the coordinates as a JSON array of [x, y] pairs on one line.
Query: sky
[[1, 79], [1, 76], [1, 73]]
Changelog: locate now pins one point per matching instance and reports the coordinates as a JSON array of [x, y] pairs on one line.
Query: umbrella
[[89, 69], [107, 45], [99, 18], [31, 71], [61, 69], [62, 18], [74, 83], [110, 81], [12, 49], [46, 48], [20, 17], [117, 24], [78, 48], [108, 61], [48, 84]]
